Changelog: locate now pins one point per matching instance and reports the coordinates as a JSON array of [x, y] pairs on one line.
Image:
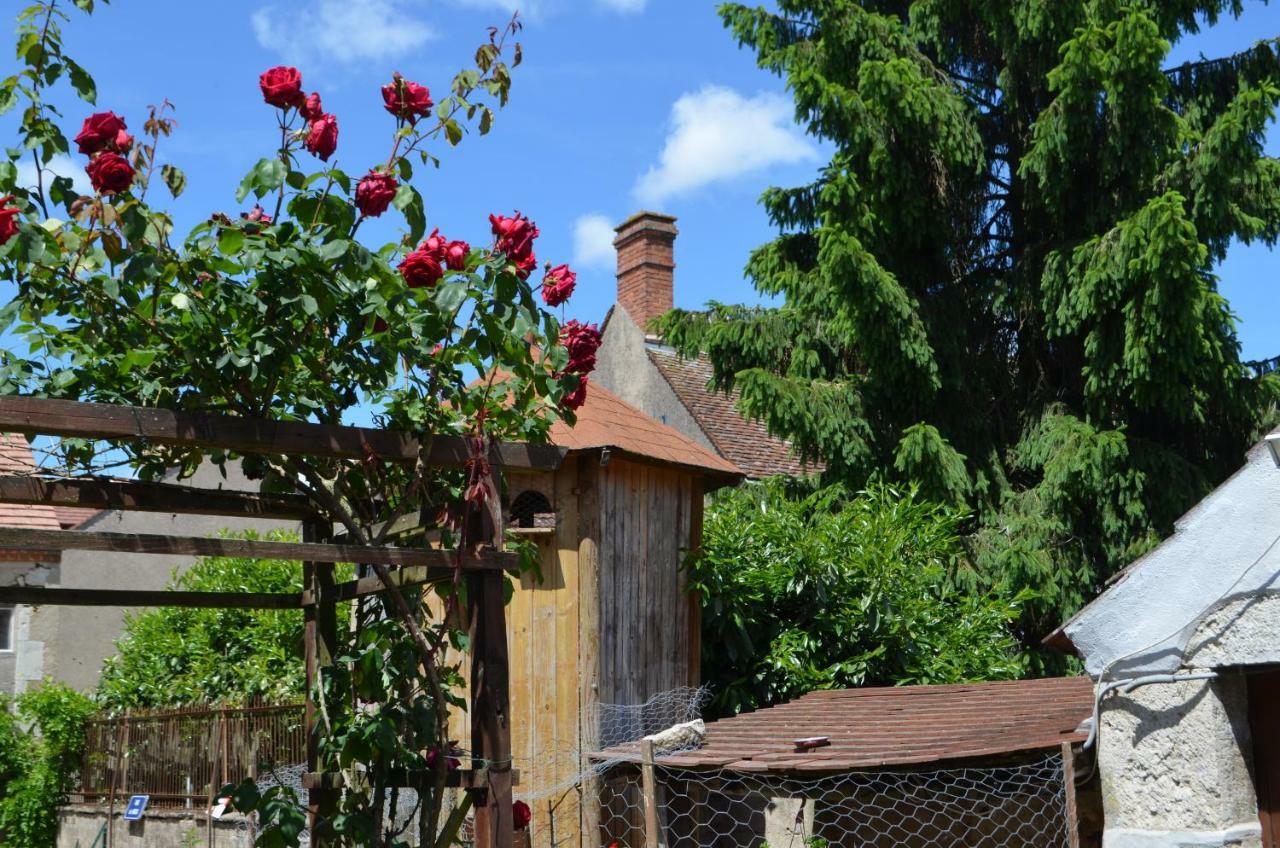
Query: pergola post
[[320, 635]]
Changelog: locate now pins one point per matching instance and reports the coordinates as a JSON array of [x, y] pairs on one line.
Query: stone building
[[1182, 648], [636, 366]]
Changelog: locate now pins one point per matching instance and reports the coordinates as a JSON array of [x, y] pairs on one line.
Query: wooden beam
[[406, 779], [649, 791], [150, 497], [413, 576], [138, 543], [1069, 788], [73, 597], [43, 416]]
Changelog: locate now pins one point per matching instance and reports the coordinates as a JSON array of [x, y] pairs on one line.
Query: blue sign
[[137, 804]]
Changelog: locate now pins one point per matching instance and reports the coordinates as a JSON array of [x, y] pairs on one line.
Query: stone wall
[[80, 825]]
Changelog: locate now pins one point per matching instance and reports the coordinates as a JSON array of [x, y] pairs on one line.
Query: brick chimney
[[646, 265]]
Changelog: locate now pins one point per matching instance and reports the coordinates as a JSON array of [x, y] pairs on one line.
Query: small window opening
[[6, 628], [532, 509]]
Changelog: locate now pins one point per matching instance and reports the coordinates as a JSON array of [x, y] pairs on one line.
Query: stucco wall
[[79, 826], [69, 644], [623, 367]]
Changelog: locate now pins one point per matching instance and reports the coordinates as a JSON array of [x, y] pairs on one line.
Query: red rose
[[451, 762], [123, 141], [406, 99], [110, 173], [8, 219], [521, 815], [577, 397], [256, 218], [515, 239], [582, 341], [558, 285], [455, 255], [311, 108], [375, 192], [379, 325], [100, 132], [435, 245], [282, 87], [420, 270], [322, 137]]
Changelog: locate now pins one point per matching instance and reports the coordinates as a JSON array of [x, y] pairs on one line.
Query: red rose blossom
[[379, 325], [515, 239], [282, 87], [123, 141], [110, 173], [255, 219], [582, 341], [8, 219], [435, 245], [420, 270], [452, 762], [406, 99], [374, 193], [455, 255], [558, 285], [322, 137], [577, 397], [311, 108], [100, 132], [521, 815]]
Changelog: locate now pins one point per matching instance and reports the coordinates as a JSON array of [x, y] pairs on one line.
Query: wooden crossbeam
[[402, 579], [43, 416], [420, 779], [150, 497], [74, 597], [139, 543]]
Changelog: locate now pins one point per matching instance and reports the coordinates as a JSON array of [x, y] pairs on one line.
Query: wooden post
[[320, 639], [589, 483], [649, 788], [1069, 787], [115, 779], [490, 708]]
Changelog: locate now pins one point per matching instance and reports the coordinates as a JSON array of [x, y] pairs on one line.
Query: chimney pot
[[646, 265]]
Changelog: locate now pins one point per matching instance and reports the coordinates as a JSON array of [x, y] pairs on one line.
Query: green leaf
[[82, 82], [266, 176], [409, 201], [230, 241], [309, 305], [174, 179]]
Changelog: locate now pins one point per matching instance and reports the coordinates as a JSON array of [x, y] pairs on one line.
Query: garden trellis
[[489, 779]]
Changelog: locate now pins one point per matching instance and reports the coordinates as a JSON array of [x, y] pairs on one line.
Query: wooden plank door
[[1264, 724]]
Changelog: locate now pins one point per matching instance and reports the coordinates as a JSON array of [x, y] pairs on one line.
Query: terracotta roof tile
[[745, 442], [73, 516], [894, 726], [606, 420], [16, 458]]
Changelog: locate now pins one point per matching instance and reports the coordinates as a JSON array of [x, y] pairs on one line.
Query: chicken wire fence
[[1002, 806]]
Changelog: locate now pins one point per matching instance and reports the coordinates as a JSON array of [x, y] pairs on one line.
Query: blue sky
[[619, 105]]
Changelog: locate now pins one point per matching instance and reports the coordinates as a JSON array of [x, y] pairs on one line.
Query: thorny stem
[[35, 99]]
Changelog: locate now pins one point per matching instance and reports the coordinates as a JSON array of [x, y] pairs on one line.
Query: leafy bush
[[38, 764], [172, 656], [820, 590]]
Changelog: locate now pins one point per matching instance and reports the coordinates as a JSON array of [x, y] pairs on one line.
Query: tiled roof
[[606, 420], [744, 442], [73, 516], [895, 726], [16, 458]]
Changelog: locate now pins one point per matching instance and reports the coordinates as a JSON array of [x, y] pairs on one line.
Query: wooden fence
[[181, 757]]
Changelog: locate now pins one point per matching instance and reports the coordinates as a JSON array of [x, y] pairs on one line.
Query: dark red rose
[[379, 325], [420, 270], [282, 87], [582, 341], [452, 762], [256, 218], [577, 397], [521, 815], [515, 239], [322, 137], [558, 285], [375, 192], [455, 255], [110, 173], [435, 245], [311, 108], [100, 132], [8, 218], [406, 99]]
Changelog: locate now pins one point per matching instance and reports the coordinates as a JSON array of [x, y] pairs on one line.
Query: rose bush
[[283, 309]]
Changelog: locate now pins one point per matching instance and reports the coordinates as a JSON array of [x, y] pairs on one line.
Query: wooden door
[[1264, 724]]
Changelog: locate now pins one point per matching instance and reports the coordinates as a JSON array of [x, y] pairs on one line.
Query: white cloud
[[343, 30], [593, 242], [716, 135], [61, 165]]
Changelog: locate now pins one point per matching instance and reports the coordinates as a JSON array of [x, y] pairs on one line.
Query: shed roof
[[16, 459], [607, 421], [884, 727], [744, 441]]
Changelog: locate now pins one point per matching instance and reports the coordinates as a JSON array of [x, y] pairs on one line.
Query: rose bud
[[254, 218], [110, 173], [311, 109], [420, 270], [8, 219], [282, 87], [322, 137], [99, 132], [405, 99], [123, 141], [455, 255], [521, 815], [558, 285], [374, 193], [582, 341], [577, 397]]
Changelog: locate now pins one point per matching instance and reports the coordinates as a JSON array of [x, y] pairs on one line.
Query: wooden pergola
[[397, 568]]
